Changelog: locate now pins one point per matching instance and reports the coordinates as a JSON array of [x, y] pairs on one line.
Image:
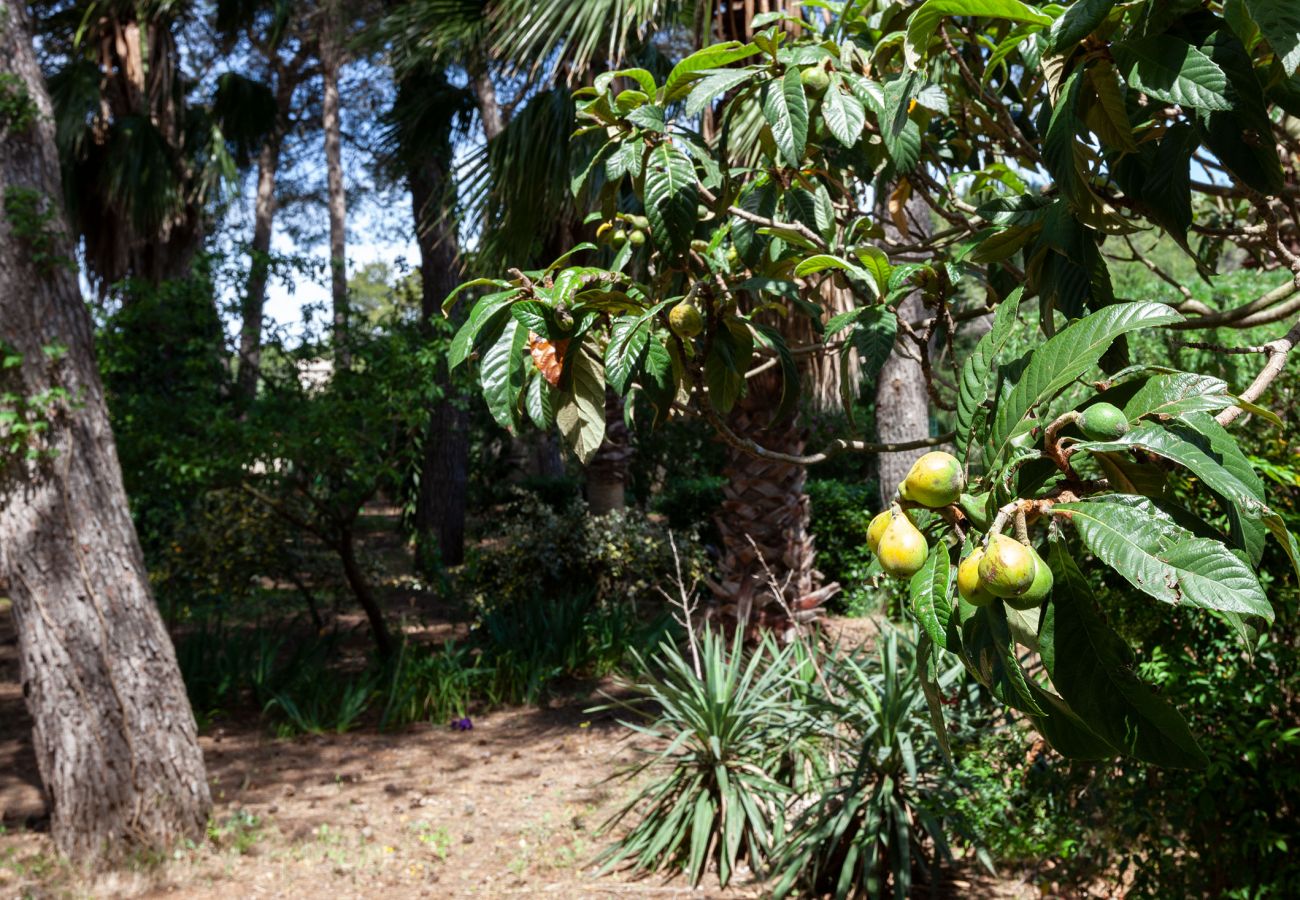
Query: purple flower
[[462, 724]]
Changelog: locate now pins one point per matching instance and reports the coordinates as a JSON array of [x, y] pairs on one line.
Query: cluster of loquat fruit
[[1000, 567]]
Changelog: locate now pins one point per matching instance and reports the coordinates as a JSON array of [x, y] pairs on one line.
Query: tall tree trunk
[[250, 331], [331, 53], [114, 736], [607, 472], [444, 473], [268, 163], [902, 404], [764, 523]]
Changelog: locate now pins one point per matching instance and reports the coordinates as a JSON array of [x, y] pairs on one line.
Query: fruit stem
[[1001, 519], [1022, 527], [1058, 456]]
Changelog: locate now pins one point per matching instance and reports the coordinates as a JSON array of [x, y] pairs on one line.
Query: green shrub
[[536, 552], [718, 724], [691, 503], [888, 805], [841, 512]]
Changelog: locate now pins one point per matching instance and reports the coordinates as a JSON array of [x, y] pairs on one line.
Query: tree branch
[[1276, 353]]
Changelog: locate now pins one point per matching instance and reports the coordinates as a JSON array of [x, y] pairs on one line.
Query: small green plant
[[432, 685], [34, 219], [888, 795], [718, 725], [18, 111], [238, 831], [436, 839]]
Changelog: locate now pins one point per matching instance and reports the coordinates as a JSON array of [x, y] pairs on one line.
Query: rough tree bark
[[331, 57], [114, 736], [902, 404], [764, 523]]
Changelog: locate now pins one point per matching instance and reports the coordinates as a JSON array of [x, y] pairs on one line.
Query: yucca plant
[[718, 724], [888, 809]]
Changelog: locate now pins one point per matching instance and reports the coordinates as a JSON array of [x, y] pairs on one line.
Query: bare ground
[[510, 808]]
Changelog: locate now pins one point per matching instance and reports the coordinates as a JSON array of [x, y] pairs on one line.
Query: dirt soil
[[509, 808]]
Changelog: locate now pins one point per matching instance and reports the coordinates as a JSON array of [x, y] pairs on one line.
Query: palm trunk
[[902, 404], [768, 574], [331, 61], [114, 736]]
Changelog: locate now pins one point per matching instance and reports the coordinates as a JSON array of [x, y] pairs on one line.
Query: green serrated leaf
[[1090, 665], [843, 112], [785, 107], [1170, 69], [581, 410], [923, 24], [684, 76], [1279, 22], [931, 593], [1161, 558], [671, 195], [1070, 353], [979, 370], [501, 374]]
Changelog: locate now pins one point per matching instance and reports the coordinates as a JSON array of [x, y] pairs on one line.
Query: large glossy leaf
[[713, 85], [1170, 69], [786, 109], [1158, 556], [931, 593], [990, 653], [628, 337], [724, 367], [1070, 353], [980, 368], [539, 401], [1058, 145], [843, 113], [1239, 137], [1091, 667], [923, 24], [1078, 21], [501, 373], [581, 410], [671, 195], [1177, 394], [715, 56], [1172, 446], [487, 315], [772, 339], [1279, 22]]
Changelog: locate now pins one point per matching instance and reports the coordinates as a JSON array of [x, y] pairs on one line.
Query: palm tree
[[140, 165], [520, 180]]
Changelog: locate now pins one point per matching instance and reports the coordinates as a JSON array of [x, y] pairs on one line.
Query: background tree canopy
[[879, 411]]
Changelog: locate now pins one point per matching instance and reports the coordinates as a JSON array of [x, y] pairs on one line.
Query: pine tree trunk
[[250, 331], [268, 163], [902, 404], [114, 737], [331, 53], [444, 473], [768, 572]]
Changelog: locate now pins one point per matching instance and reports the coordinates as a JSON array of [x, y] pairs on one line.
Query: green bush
[[536, 551], [888, 805], [719, 724], [841, 512]]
